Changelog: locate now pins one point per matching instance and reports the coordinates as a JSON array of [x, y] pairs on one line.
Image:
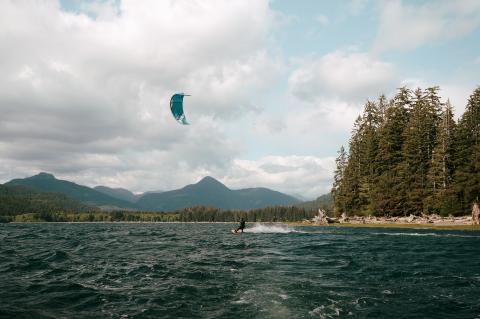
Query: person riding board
[[242, 225]]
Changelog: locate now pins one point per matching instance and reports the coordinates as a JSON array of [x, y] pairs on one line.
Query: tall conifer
[[419, 140], [439, 179], [338, 191], [467, 140], [387, 193]]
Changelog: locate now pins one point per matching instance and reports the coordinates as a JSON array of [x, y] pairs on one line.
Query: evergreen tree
[[368, 141], [382, 108], [419, 140], [439, 178], [387, 194], [407, 156], [337, 189], [467, 140], [351, 178]]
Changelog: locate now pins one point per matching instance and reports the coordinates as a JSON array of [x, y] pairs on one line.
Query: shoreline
[[437, 226], [449, 226]]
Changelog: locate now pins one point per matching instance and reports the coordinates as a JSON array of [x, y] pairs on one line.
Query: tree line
[[193, 214], [408, 155]]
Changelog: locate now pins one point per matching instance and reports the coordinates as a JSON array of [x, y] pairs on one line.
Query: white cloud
[[322, 19], [87, 97], [351, 76], [407, 26], [458, 93], [101, 10], [355, 7], [306, 175]]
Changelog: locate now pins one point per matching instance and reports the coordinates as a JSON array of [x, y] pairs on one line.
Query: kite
[[176, 106]]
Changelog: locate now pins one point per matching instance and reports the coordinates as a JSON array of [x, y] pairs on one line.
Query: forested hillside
[[17, 200], [408, 155]]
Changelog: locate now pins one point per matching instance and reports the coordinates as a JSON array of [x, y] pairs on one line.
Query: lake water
[[204, 271]]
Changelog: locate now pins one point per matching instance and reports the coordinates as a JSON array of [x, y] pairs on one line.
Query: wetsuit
[[241, 227]]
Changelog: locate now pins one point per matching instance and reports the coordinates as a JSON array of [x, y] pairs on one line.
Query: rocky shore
[[322, 219]]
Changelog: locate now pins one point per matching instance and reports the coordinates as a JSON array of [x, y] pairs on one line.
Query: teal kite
[[176, 106]]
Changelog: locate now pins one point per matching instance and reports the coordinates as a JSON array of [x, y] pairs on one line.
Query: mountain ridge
[[206, 192], [210, 192], [46, 182]]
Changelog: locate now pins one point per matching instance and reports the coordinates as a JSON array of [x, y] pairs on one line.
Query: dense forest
[[17, 200], [194, 214], [408, 155]]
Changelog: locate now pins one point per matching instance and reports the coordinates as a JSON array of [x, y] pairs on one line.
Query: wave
[[427, 234], [270, 229]]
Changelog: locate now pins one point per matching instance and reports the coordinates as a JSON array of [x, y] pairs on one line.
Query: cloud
[[355, 7], [322, 19], [458, 93], [405, 27], [351, 76], [85, 94], [307, 175]]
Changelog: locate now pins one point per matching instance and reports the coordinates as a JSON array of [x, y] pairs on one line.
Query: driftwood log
[[475, 214]]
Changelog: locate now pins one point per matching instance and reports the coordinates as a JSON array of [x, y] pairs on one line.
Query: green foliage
[[466, 146], [48, 183], [408, 156], [16, 200], [193, 214], [337, 192]]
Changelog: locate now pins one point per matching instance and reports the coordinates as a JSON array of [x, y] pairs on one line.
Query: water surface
[[204, 271]]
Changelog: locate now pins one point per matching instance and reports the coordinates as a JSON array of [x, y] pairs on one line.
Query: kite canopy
[[176, 106]]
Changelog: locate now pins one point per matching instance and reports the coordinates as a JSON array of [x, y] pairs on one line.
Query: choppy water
[[203, 271]]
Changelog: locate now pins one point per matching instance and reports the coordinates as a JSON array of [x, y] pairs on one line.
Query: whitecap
[[427, 234], [270, 229]]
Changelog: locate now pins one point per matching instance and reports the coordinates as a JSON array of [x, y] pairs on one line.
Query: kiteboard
[[235, 232]]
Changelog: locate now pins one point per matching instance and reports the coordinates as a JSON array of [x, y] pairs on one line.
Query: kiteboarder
[[242, 225]]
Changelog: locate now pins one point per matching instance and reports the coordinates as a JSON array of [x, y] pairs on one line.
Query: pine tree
[[368, 141], [382, 108], [467, 140], [337, 190], [387, 193], [419, 140], [351, 178], [439, 178], [408, 156]]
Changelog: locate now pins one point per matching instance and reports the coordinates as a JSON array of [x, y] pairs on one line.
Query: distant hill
[[324, 202], [18, 199], [45, 182], [118, 193], [210, 192], [207, 192]]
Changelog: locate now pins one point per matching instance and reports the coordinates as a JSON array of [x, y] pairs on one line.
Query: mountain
[[324, 202], [45, 182], [207, 192], [119, 193], [18, 199], [210, 192], [300, 197]]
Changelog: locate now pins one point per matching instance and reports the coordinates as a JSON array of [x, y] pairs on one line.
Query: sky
[[275, 85]]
